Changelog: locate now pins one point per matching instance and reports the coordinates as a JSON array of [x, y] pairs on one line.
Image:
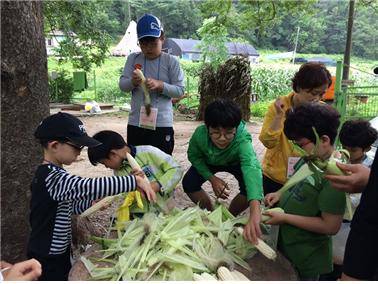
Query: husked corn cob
[[147, 98], [265, 218], [106, 201], [224, 274], [266, 250], [262, 247], [134, 164]]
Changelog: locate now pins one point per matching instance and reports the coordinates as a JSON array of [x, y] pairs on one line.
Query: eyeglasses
[[217, 135], [75, 146], [301, 145]]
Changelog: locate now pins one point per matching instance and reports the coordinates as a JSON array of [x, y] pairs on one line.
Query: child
[[361, 250], [56, 194], [309, 84], [357, 136], [313, 209], [164, 80], [223, 144], [161, 169]]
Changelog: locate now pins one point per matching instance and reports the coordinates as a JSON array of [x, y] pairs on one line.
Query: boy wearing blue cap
[[152, 125], [56, 194]]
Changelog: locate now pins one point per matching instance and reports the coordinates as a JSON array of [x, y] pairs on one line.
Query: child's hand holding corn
[[276, 218], [145, 187]]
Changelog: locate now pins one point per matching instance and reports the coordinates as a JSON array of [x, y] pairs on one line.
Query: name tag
[[290, 165], [148, 172], [148, 122]]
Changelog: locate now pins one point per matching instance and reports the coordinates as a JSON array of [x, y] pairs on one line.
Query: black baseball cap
[[66, 127]]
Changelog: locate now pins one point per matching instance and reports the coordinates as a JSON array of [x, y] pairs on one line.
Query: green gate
[[355, 101]]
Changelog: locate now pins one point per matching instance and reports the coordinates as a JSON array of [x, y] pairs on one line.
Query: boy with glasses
[[223, 144], [313, 208], [152, 123], [56, 194]]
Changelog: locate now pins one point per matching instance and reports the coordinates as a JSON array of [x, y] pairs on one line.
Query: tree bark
[[24, 102], [348, 45]]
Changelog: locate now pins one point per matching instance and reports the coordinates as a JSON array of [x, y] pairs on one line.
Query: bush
[[259, 109], [269, 82], [61, 88]]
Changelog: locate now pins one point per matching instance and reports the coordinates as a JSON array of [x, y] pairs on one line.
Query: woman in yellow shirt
[[309, 84]]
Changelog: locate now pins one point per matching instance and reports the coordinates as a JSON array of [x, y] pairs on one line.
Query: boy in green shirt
[[163, 172], [223, 144], [313, 209]]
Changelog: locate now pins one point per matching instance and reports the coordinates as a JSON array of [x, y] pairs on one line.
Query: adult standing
[[309, 84], [361, 250], [152, 124]]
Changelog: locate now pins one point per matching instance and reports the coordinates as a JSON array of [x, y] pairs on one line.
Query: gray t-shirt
[[165, 68]]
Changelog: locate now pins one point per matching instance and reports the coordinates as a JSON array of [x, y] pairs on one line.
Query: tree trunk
[[24, 102], [348, 45]]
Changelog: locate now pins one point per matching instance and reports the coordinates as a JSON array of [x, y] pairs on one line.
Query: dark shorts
[[361, 255], [193, 181], [162, 138], [270, 185], [54, 268]]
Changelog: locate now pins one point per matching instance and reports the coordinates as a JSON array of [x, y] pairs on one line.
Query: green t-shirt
[[310, 253]]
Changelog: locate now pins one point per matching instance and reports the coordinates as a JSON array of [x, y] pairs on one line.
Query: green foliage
[[270, 82], [84, 24], [61, 88], [259, 108], [191, 71], [213, 42], [180, 18]]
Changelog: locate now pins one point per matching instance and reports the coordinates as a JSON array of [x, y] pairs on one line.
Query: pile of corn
[[181, 245]]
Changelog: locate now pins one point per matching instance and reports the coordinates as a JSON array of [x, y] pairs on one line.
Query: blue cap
[[149, 25]]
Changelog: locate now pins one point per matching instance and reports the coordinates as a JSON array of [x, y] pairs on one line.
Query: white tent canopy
[[129, 42]]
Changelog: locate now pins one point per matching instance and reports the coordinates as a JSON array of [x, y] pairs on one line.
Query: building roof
[[178, 46]]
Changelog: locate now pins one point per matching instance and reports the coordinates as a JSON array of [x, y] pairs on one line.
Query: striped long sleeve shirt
[[56, 195]]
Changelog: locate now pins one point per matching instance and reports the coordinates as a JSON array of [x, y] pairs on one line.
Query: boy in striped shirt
[[56, 194]]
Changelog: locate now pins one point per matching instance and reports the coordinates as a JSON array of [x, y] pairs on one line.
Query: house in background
[[53, 39], [188, 49]]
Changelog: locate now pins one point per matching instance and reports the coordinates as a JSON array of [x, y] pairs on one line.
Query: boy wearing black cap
[[164, 81], [56, 194]]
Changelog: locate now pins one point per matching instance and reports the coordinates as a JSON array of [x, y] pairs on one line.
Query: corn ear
[[134, 164], [266, 250], [301, 174], [224, 274], [106, 201], [262, 247], [238, 276], [265, 218], [147, 99]]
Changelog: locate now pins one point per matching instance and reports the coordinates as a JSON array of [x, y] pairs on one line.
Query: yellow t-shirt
[[279, 149]]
